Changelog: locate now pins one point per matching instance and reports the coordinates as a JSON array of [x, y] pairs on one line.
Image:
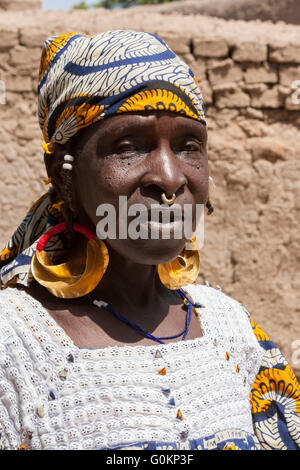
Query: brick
[[253, 113], [11, 99], [242, 176], [19, 84], [8, 38], [224, 71], [266, 148], [179, 44], [270, 98], [288, 75], [32, 37], [197, 66], [210, 48], [255, 88], [25, 58], [250, 52], [261, 74], [253, 127], [285, 54], [230, 96], [28, 131], [225, 87]]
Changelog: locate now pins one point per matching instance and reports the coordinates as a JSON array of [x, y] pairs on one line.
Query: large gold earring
[[183, 270], [74, 278]]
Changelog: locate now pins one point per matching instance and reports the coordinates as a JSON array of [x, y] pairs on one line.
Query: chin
[[149, 251]]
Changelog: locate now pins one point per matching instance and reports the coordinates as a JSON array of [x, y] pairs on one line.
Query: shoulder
[[215, 298], [16, 306], [9, 295], [224, 315], [15, 299], [10, 301], [226, 323]]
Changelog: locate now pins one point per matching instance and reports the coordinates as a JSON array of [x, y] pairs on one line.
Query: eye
[[192, 146], [189, 145], [124, 147]]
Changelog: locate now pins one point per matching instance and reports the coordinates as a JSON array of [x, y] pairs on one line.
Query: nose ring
[[167, 200]]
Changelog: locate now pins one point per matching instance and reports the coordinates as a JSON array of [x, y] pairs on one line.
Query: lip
[[162, 222], [155, 229], [168, 212]]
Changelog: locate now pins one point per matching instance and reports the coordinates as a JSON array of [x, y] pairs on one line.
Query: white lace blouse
[[191, 394]]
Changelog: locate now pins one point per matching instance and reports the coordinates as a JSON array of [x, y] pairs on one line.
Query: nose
[[164, 173]]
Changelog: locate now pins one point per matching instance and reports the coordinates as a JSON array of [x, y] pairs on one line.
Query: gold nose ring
[[167, 200]]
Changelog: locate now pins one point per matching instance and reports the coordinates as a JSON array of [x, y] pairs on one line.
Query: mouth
[[159, 222], [164, 218], [159, 230], [162, 214]]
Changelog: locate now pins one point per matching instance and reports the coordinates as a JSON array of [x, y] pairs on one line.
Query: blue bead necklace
[[189, 306]]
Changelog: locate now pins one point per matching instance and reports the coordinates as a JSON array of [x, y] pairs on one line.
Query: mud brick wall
[[20, 5], [246, 72]]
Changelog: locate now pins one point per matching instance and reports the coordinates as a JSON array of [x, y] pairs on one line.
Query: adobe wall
[[246, 72], [20, 5], [268, 10]]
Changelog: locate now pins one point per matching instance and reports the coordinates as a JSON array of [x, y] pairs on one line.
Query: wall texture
[[268, 10], [246, 71], [20, 5]]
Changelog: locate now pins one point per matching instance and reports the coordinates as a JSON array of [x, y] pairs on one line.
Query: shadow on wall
[[266, 10]]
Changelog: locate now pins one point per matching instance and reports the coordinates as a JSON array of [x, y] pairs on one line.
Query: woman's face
[[140, 156]]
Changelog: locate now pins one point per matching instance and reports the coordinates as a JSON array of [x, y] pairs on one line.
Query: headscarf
[[82, 80]]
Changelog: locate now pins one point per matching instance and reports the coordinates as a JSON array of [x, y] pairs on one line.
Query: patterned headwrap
[[84, 79]]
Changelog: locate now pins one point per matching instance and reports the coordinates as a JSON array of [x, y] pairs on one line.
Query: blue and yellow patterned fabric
[[275, 399], [84, 79], [15, 258]]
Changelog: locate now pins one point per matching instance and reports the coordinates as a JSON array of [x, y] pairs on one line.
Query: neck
[[129, 283]]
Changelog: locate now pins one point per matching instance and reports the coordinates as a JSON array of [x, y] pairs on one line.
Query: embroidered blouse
[[228, 389]]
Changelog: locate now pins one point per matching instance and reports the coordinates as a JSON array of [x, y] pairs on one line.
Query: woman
[[111, 343]]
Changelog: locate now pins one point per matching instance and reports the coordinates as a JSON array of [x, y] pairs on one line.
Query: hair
[[67, 182], [209, 207]]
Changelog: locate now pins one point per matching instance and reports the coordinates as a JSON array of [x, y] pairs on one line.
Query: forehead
[[159, 120], [136, 123]]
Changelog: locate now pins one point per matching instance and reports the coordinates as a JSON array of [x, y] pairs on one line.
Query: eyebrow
[[132, 125], [196, 126], [124, 126]]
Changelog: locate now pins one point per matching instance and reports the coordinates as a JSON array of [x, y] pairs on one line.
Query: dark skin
[[138, 156]]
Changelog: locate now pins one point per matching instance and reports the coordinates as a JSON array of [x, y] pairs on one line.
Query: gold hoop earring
[[183, 270], [73, 278]]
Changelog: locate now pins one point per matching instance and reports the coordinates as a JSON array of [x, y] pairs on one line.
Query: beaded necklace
[[189, 308]]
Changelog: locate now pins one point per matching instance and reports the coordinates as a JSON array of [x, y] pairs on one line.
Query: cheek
[[199, 182], [98, 183]]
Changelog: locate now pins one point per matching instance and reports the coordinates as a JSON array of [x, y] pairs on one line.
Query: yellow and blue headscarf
[[84, 79]]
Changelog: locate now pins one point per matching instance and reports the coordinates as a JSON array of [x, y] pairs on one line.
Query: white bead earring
[[67, 165]]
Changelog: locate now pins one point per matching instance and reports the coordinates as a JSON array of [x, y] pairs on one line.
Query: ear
[[54, 166]]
